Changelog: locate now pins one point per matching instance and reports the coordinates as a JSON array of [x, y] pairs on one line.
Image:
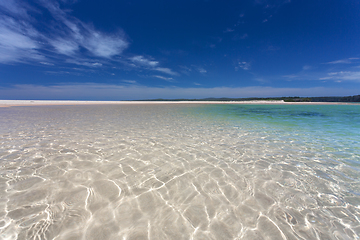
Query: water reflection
[[163, 172]]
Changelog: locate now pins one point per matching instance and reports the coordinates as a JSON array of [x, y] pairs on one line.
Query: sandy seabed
[[145, 170]]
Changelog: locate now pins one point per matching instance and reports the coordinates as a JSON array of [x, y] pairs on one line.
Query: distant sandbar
[[11, 103]]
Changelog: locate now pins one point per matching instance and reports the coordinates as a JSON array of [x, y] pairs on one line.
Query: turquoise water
[[331, 133], [324, 118], [180, 171], [326, 128]]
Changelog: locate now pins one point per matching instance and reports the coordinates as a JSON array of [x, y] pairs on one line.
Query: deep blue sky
[[140, 49]]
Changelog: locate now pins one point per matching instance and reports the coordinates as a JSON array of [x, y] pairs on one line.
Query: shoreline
[[14, 103]]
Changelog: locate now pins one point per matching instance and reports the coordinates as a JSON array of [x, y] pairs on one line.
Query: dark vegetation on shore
[[355, 98]]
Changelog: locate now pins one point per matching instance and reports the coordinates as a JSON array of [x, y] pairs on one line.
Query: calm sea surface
[[178, 171]]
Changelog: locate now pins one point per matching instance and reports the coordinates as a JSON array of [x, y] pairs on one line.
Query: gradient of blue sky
[[117, 50]]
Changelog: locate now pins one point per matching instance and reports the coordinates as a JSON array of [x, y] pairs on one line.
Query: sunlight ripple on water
[[180, 172]]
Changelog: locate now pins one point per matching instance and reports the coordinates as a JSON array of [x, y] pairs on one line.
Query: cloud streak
[[166, 70], [165, 78], [344, 61], [63, 39], [343, 76], [149, 64], [23, 39], [18, 41], [141, 60]]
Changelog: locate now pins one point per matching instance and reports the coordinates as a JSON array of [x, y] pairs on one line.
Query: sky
[[141, 49]]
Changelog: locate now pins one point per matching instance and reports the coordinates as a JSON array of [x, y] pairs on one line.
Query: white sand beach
[[10, 103]]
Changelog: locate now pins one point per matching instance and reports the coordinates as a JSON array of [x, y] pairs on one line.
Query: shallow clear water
[[180, 172]]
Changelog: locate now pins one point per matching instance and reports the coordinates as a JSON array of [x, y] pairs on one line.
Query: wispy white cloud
[[18, 41], [47, 63], [135, 92], [149, 64], [185, 70], [129, 81], [166, 70], [313, 74], [13, 7], [65, 46], [344, 61], [104, 45], [342, 76], [84, 63], [66, 40], [141, 60], [61, 73], [168, 79], [22, 38], [202, 70], [244, 65], [80, 34], [193, 68]]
